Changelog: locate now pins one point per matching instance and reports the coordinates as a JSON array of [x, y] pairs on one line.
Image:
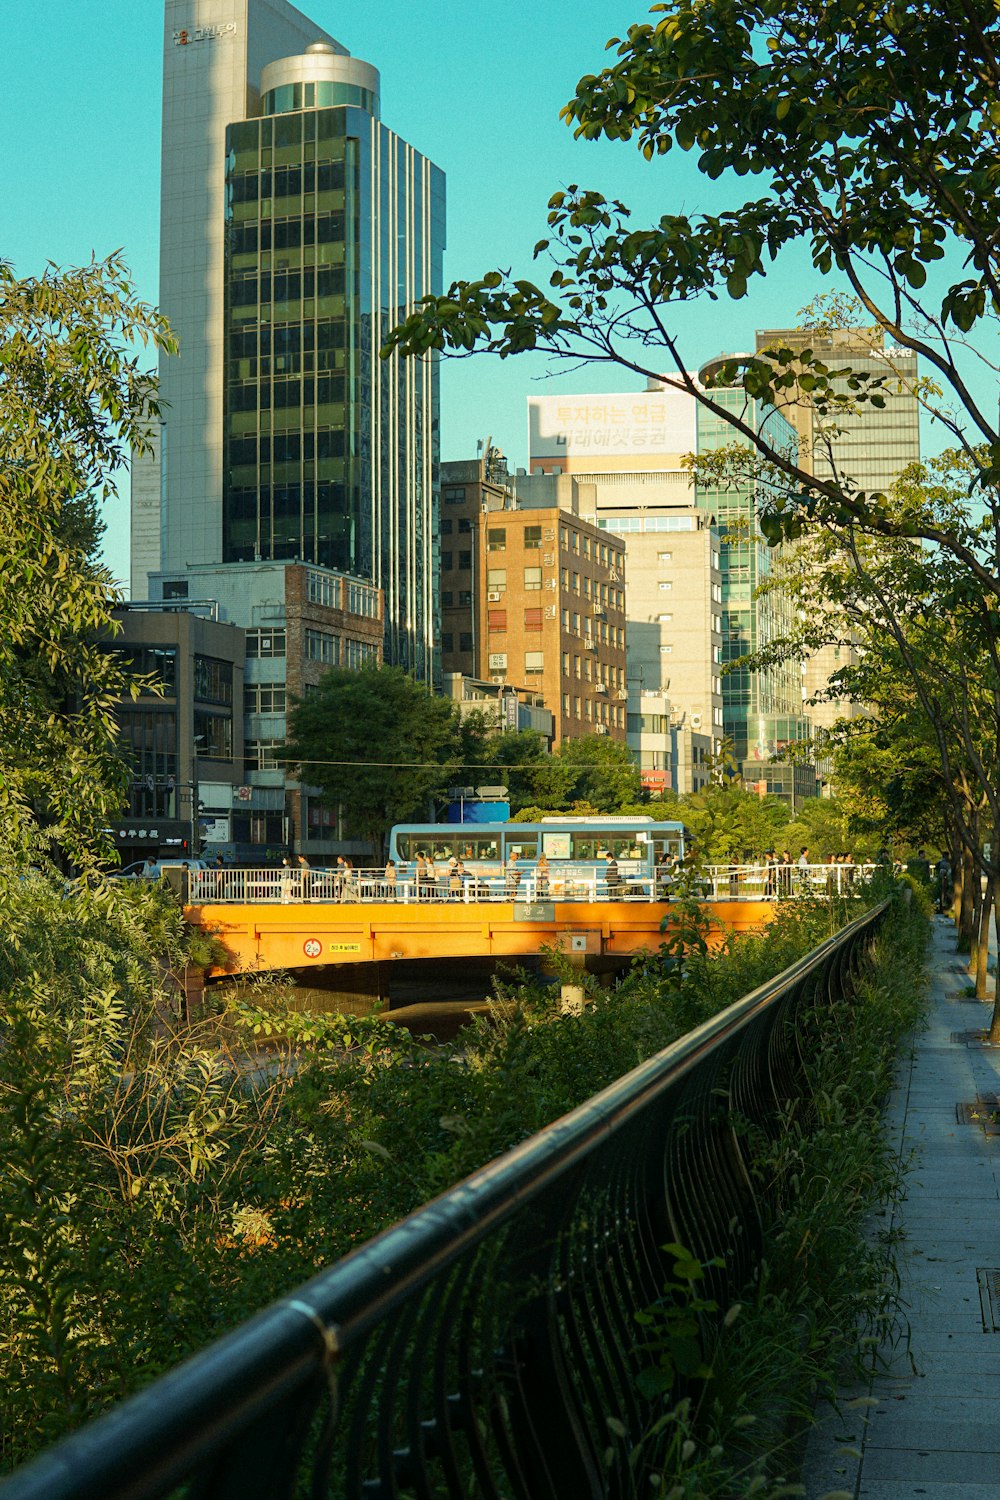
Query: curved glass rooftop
[[323, 94]]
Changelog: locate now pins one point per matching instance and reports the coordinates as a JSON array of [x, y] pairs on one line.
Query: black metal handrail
[[486, 1344]]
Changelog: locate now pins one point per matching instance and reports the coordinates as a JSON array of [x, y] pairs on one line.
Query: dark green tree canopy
[[73, 399], [872, 136], [378, 744]]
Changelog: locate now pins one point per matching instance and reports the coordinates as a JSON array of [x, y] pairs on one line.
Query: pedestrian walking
[[943, 883], [513, 876], [542, 877]]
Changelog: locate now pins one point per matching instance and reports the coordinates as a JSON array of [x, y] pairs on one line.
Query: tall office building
[[625, 453], [296, 229], [762, 709], [870, 446]]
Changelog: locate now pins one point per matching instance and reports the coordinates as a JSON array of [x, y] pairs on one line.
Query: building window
[[177, 589], [446, 562], [496, 619], [534, 662], [263, 698], [464, 596], [532, 538], [265, 642], [465, 560], [446, 526], [465, 640], [213, 735], [565, 663], [261, 755], [532, 578], [357, 654], [448, 641], [447, 599], [453, 494], [496, 578], [464, 526], [666, 556], [532, 619], [496, 538], [322, 646], [566, 702], [362, 599]]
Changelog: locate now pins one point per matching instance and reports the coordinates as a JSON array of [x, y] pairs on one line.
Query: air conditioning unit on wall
[[494, 596]]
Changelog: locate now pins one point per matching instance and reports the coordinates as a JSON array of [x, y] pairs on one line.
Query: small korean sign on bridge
[[534, 911]]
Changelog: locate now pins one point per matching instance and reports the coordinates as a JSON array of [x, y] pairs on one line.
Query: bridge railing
[[487, 1345], [722, 883]]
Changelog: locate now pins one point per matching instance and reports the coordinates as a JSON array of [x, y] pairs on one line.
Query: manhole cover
[[989, 1296]]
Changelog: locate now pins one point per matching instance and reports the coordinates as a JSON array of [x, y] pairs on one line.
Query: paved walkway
[[934, 1429]]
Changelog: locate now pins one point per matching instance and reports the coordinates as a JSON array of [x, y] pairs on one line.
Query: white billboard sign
[[606, 426]]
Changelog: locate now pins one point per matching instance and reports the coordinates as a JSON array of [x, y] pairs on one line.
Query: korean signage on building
[[189, 34], [606, 426]]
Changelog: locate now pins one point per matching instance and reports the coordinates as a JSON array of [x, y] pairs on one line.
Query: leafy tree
[[378, 744], [823, 826], [526, 767], [602, 770], [732, 825], [73, 398]]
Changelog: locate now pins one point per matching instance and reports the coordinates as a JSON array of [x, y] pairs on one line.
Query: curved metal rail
[[486, 1345]]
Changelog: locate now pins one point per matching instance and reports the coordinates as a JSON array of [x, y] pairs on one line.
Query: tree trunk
[[976, 882], [994, 1032], [965, 930], [983, 942]]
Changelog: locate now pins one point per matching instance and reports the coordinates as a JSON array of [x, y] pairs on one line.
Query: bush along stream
[[826, 1304], [167, 1179]]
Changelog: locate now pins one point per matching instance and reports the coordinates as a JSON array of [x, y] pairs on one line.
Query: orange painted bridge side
[[299, 935]]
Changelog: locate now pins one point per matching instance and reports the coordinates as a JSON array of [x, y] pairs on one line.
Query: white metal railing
[[721, 883]]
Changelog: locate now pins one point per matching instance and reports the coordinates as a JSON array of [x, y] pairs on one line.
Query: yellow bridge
[[299, 934]]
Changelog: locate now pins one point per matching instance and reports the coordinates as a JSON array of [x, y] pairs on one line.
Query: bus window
[[523, 848], [585, 846], [442, 850]]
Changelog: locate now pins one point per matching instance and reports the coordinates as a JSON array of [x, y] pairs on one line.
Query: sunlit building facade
[[296, 230]]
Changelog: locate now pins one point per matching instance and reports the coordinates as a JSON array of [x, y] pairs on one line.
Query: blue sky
[[476, 88]]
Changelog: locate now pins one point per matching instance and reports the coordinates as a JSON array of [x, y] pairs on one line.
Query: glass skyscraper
[[335, 227], [762, 710], [296, 229]]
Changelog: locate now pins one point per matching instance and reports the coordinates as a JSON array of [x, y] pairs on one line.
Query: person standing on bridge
[[513, 876], [611, 878], [542, 877], [390, 880]]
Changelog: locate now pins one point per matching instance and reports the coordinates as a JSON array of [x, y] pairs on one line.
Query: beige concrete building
[[299, 622], [625, 453], [871, 447]]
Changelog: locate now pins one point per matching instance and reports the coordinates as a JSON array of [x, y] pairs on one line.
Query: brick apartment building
[[533, 596]]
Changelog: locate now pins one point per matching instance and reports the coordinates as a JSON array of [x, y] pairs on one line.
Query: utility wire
[[436, 765]]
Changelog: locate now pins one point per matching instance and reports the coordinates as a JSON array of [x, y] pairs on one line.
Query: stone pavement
[[934, 1427]]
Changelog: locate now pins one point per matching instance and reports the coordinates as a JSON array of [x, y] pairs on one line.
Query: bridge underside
[[302, 935]]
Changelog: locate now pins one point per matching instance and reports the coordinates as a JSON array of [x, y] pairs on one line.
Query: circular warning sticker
[[312, 947]]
